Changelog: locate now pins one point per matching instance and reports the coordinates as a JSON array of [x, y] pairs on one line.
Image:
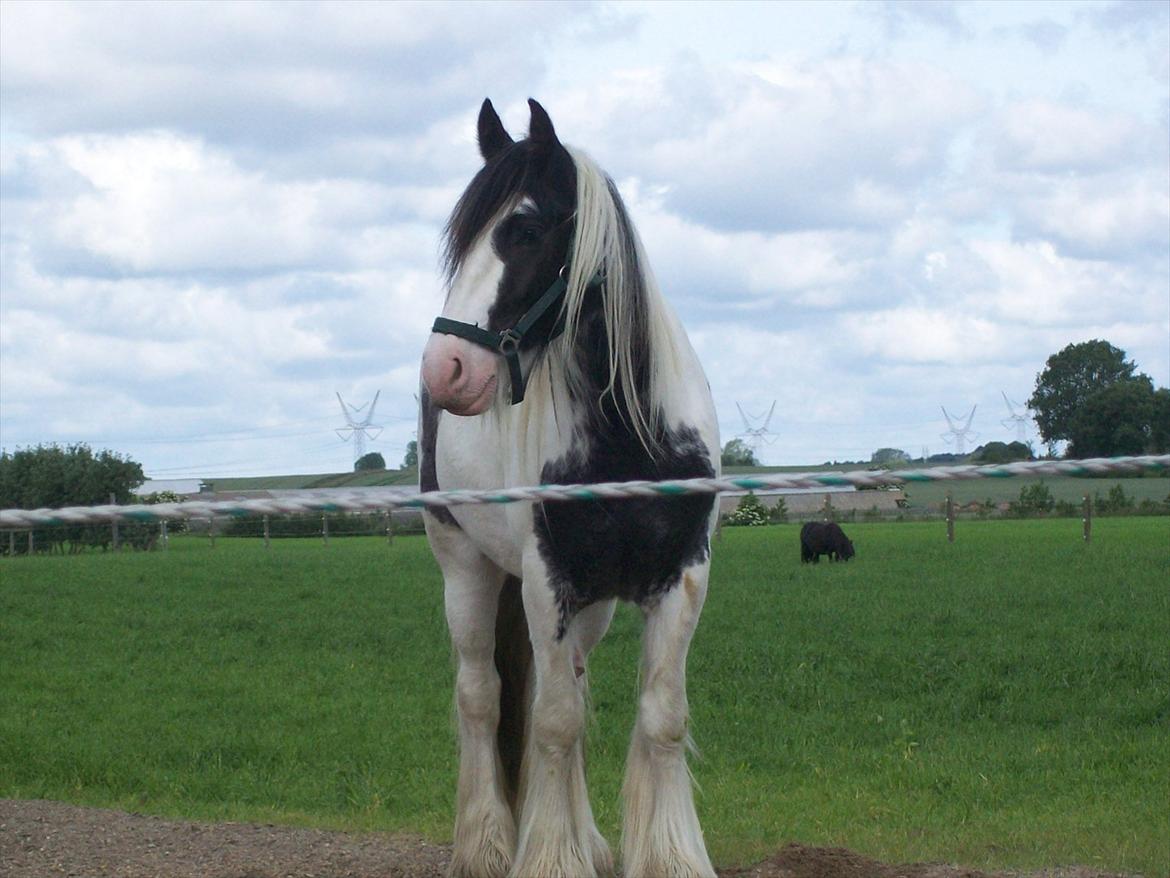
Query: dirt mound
[[40, 839]]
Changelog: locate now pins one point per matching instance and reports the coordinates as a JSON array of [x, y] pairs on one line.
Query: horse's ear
[[540, 126], [493, 139]]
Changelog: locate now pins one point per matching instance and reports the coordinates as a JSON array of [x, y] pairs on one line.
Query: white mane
[[606, 240]]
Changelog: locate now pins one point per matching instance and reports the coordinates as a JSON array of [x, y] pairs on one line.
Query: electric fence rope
[[380, 500]]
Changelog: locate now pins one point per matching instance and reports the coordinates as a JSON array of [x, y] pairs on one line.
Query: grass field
[[999, 702]]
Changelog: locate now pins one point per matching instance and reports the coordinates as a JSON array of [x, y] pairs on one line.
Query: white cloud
[[1114, 213], [268, 75], [838, 142], [1044, 135], [155, 203]]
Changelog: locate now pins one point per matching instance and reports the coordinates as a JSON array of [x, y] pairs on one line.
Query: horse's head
[[507, 251], [847, 551]]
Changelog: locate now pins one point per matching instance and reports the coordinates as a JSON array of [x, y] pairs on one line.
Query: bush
[[1034, 499], [371, 462], [1117, 502], [1000, 452], [174, 525], [52, 476], [749, 513], [308, 525], [778, 514]]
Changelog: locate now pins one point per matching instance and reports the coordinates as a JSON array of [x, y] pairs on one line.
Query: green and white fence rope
[[381, 500]]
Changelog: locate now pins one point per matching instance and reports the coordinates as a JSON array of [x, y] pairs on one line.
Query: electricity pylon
[[358, 430], [1020, 421], [755, 436], [959, 434]]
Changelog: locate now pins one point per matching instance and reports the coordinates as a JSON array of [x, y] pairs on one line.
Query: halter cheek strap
[[506, 343]]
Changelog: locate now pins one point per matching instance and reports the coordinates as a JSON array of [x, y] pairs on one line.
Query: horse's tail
[[514, 665]]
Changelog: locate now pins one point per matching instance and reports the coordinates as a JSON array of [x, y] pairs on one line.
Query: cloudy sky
[[217, 216]]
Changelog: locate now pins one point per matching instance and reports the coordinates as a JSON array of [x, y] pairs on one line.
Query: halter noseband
[[506, 343]]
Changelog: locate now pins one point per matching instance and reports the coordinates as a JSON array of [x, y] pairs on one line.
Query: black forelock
[[515, 171]]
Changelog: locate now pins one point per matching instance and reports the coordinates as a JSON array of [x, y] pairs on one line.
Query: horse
[[556, 360], [824, 538]]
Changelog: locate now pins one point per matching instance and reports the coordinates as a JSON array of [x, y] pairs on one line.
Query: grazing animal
[[824, 538], [556, 360]]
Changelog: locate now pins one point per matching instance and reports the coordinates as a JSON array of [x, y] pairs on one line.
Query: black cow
[[824, 538]]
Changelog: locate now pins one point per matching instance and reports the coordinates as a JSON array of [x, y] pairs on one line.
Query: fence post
[[30, 543], [827, 512], [389, 527], [114, 524], [162, 534], [950, 517], [266, 532], [211, 531], [1088, 518], [325, 528], [12, 544]]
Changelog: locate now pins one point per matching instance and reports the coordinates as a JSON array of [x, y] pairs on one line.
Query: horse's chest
[[631, 549]]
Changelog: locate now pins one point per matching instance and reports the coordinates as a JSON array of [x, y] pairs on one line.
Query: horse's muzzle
[[459, 377]]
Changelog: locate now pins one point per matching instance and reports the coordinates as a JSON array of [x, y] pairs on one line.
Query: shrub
[[1034, 499], [175, 525], [749, 513], [778, 514], [1117, 502], [341, 524], [369, 463], [52, 476]]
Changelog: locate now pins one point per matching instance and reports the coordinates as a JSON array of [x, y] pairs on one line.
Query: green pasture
[[998, 702]]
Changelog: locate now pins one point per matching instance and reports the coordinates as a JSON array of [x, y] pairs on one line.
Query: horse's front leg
[[557, 836], [485, 832], [660, 832]]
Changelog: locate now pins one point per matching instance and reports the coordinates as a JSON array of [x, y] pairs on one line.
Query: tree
[[1001, 452], [737, 453], [1117, 419], [411, 458], [369, 462], [52, 476], [1160, 422], [889, 457], [1069, 378]]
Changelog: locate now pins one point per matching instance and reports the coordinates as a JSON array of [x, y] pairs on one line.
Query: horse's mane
[[641, 346]]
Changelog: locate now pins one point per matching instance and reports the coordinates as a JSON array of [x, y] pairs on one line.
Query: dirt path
[[41, 839]]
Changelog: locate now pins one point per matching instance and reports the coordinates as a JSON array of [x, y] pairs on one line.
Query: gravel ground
[[40, 839]]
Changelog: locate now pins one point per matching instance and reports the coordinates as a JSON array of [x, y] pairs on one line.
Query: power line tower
[[358, 430], [1019, 420], [958, 435], [754, 436]]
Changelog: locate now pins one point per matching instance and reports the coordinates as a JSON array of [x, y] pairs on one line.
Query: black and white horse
[[557, 361]]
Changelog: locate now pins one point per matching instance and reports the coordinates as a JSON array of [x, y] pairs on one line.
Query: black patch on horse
[[630, 549]]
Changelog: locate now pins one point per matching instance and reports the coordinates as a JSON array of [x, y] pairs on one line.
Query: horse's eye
[[529, 235]]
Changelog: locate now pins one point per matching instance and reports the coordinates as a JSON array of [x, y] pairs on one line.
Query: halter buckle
[[509, 342]]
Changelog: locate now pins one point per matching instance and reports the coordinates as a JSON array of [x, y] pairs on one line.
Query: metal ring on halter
[[509, 342]]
